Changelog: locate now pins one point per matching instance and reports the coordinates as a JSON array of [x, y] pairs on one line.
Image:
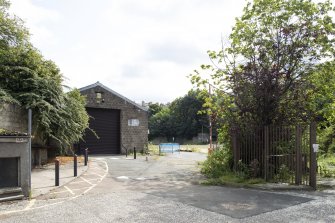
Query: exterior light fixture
[[99, 97]]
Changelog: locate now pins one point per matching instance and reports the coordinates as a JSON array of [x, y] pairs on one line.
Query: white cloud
[[36, 19], [141, 49]]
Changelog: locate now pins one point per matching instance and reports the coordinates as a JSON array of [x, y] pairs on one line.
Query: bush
[[326, 164], [284, 174], [218, 163]]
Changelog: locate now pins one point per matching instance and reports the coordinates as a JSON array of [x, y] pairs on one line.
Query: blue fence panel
[[169, 147]]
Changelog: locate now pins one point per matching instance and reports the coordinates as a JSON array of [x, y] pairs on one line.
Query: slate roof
[[112, 92]]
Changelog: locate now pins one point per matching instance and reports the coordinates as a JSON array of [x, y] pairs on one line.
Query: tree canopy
[[277, 58], [36, 83], [180, 119]]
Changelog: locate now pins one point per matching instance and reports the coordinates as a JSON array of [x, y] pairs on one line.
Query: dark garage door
[[106, 123]]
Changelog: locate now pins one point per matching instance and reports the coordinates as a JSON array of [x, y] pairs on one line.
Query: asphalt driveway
[[164, 189]]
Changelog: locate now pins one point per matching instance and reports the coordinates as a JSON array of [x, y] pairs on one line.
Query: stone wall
[[131, 136], [17, 148], [13, 118]]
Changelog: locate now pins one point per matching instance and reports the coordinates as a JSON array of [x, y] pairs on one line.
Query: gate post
[[234, 144], [298, 142], [266, 152], [313, 161]]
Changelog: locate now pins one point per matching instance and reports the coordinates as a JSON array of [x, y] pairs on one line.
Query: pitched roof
[[112, 92]]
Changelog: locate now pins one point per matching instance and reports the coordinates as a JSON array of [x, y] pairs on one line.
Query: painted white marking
[[77, 182], [93, 179], [123, 177], [29, 206], [96, 174], [114, 158], [59, 192], [69, 190], [80, 188], [141, 178], [31, 203], [86, 181]]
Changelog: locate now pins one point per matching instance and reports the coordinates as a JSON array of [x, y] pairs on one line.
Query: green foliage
[[155, 108], [34, 82], [180, 119], [322, 101], [264, 72], [254, 168], [284, 174], [160, 124], [233, 179], [326, 163], [6, 132], [6, 98], [218, 163]]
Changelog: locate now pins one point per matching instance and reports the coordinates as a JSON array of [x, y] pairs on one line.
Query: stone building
[[118, 122], [13, 118]]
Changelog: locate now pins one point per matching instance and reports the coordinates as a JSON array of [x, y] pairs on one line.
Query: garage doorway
[[106, 124]]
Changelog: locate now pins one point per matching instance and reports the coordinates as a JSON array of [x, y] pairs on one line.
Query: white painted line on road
[[69, 190], [96, 174], [114, 158], [93, 179], [80, 188], [22, 210], [31, 203], [122, 178], [86, 181], [77, 182], [106, 172], [59, 192]]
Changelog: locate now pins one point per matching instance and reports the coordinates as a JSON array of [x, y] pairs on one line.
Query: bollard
[[134, 153], [75, 165], [86, 156], [56, 172], [126, 153]]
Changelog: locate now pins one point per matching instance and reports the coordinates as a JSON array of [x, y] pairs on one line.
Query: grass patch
[[326, 165], [232, 179], [321, 187]]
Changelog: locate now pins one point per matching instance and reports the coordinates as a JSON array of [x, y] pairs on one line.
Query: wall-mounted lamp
[[99, 98]]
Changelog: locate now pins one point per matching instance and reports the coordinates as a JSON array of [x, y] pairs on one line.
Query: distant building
[[119, 122]]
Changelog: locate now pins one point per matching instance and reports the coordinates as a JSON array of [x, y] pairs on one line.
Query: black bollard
[[56, 172], [86, 156], [134, 153], [75, 165], [126, 153]]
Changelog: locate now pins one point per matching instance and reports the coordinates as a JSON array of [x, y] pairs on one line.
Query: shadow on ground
[[234, 202]]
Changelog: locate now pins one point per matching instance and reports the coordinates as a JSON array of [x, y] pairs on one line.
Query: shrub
[[254, 168], [284, 174], [218, 163]]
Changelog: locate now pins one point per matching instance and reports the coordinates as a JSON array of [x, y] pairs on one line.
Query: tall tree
[[181, 119], [33, 82], [274, 47]]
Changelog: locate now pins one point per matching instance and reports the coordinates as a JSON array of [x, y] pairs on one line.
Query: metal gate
[[278, 153]]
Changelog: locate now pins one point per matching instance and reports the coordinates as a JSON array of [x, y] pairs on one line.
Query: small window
[[133, 122], [99, 97]]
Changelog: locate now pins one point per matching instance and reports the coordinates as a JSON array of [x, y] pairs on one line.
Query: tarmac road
[[164, 189]]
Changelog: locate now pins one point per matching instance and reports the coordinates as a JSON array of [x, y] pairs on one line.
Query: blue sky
[[142, 49]]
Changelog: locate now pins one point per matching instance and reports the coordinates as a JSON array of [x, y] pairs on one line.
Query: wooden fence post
[[313, 162], [298, 142]]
